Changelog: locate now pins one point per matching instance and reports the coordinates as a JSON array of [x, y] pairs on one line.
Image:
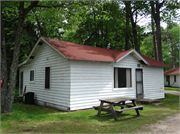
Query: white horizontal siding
[[153, 80], [91, 81], [59, 92], [172, 82]]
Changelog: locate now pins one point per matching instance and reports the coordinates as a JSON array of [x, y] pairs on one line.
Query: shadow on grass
[[23, 111], [109, 116]]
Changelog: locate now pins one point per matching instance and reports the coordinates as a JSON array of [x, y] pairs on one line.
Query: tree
[[127, 7], [7, 91], [102, 26], [155, 7], [170, 45], [22, 11]]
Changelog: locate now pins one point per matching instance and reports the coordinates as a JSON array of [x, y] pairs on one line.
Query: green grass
[[172, 88], [39, 119]]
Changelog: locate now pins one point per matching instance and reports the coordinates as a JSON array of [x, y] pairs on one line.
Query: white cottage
[[71, 76], [171, 77]]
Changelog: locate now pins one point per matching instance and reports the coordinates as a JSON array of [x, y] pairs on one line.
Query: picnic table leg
[[134, 104], [123, 104], [113, 112], [99, 111]]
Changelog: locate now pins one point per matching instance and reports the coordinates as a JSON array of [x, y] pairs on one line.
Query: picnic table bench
[[118, 101]]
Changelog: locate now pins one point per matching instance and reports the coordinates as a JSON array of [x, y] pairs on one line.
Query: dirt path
[[171, 125], [172, 92]]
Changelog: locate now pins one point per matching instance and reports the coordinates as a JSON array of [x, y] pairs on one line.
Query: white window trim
[[122, 88], [30, 75], [50, 77]]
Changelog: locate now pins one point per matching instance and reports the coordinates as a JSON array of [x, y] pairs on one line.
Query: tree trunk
[[127, 4], [135, 34], [15, 61], [4, 71], [158, 33], [7, 101], [156, 16], [155, 48], [153, 33]]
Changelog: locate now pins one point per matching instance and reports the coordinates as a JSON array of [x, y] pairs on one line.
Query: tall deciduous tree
[[22, 12], [7, 91], [155, 6], [127, 36]]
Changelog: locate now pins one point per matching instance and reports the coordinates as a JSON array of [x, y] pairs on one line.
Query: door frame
[[21, 82], [141, 81]]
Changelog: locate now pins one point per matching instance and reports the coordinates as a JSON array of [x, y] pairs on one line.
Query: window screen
[[47, 77]]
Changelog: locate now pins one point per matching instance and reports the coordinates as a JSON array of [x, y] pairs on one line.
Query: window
[[47, 77], [122, 77], [174, 78], [167, 78], [31, 75]]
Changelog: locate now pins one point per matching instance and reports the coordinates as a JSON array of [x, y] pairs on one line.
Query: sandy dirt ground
[[172, 92], [171, 125]]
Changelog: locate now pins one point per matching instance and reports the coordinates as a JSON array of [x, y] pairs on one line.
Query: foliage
[[170, 45], [170, 38], [103, 25], [39, 119]]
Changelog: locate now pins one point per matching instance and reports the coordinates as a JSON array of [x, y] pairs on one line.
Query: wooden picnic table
[[118, 101]]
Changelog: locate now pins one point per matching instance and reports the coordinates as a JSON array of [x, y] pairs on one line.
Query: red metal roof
[[172, 71], [83, 52]]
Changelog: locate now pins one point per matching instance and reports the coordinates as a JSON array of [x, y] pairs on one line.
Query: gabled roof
[[82, 52], [172, 71]]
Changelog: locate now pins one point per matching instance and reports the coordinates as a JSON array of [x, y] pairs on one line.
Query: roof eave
[[89, 60], [158, 66]]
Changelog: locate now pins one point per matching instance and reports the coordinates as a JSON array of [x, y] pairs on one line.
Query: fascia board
[[140, 57], [24, 62], [89, 60], [54, 48], [137, 54]]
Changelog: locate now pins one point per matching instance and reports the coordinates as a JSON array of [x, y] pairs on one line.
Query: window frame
[[31, 81], [114, 81], [45, 87]]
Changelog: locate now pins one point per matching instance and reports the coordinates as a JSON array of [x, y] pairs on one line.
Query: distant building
[[171, 77]]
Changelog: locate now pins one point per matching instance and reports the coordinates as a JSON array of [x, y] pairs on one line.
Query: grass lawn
[[171, 88], [39, 119]]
